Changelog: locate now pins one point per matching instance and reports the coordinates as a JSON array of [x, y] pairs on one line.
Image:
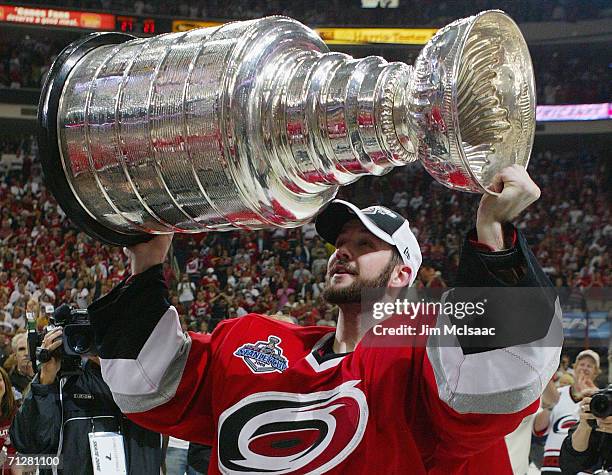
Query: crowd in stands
[[349, 12], [25, 61], [45, 261], [563, 79]]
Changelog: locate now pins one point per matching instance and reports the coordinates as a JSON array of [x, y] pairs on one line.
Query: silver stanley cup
[[256, 124]]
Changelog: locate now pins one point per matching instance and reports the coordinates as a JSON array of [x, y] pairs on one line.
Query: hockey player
[[276, 398]]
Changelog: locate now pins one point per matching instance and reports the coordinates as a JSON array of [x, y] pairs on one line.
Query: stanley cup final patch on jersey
[[263, 356]]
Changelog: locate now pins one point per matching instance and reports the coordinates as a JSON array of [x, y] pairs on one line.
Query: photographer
[[60, 412], [589, 443]]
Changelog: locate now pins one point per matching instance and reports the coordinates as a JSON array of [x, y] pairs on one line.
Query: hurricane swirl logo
[[290, 433], [565, 423]]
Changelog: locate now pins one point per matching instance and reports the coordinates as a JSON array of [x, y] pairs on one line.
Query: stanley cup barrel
[[256, 124]]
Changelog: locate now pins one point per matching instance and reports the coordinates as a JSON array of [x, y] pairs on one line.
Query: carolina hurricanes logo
[[289, 433], [564, 424]]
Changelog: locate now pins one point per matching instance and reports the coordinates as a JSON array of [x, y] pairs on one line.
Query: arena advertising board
[[185, 25], [345, 36], [56, 17], [402, 36], [569, 112]]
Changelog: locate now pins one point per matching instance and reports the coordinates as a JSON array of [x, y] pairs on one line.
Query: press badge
[[107, 453]]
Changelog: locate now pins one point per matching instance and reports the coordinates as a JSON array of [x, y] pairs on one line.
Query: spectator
[[186, 291], [283, 294], [327, 320], [80, 295], [429, 277], [193, 267], [556, 418], [23, 372], [301, 272], [176, 451], [8, 408], [204, 327], [219, 310], [200, 308], [210, 278], [564, 367], [585, 448]]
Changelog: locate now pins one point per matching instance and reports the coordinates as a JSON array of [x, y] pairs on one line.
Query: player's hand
[[52, 341], [148, 254], [517, 191]]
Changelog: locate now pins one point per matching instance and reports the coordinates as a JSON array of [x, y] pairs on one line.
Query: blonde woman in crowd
[[23, 372]]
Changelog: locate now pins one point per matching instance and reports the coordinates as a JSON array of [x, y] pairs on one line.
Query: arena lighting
[[570, 112]]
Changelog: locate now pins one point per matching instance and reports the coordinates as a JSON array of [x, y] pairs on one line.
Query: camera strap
[[62, 382]]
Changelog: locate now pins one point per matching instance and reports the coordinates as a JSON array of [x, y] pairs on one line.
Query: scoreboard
[[137, 25]]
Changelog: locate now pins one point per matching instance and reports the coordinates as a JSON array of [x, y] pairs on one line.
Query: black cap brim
[[331, 220]]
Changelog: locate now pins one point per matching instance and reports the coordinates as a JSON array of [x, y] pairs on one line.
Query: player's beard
[[353, 292]]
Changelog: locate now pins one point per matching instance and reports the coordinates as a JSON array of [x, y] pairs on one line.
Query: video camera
[[78, 340], [601, 403]]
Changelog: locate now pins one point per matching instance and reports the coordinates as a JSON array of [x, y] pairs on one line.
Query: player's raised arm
[[143, 350], [503, 373], [488, 383]]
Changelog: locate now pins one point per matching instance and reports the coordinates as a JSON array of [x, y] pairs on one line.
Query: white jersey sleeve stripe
[[498, 381], [153, 377]]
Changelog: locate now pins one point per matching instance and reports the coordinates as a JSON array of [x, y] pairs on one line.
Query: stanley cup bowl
[[256, 124], [472, 101]]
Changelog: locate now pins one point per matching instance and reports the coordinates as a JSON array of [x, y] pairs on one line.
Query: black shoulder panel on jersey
[[124, 319], [521, 313]]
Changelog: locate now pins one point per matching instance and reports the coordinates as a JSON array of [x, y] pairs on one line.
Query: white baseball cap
[[385, 224], [589, 353]]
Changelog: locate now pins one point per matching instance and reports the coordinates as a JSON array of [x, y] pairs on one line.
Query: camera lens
[[601, 405], [80, 343], [43, 355]]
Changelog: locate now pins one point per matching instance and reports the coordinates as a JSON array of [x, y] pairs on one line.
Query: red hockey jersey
[[263, 392]]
